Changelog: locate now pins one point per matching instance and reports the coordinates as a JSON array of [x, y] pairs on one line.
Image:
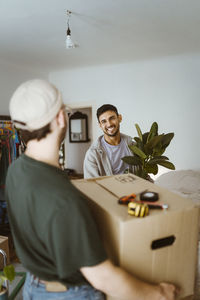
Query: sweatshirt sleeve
[[90, 167]]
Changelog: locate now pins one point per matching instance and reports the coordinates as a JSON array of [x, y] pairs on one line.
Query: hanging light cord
[[69, 43], [68, 29]]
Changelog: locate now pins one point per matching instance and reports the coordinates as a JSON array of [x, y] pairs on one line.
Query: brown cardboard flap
[[99, 194], [121, 186]]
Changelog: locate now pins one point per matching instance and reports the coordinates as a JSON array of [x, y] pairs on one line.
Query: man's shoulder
[[96, 145], [127, 138], [14, 165]]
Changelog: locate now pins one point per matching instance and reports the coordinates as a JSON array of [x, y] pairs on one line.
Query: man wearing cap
[[55, 236]]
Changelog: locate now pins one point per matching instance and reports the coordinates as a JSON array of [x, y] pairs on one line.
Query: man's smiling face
[[109, 122]]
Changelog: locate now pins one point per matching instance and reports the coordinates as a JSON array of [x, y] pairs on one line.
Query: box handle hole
[[164, 242]]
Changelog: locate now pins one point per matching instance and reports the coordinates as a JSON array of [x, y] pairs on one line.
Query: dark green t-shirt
[[52, 227]]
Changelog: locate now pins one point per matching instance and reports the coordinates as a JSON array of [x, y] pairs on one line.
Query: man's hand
[[116, 282], [168, 291]]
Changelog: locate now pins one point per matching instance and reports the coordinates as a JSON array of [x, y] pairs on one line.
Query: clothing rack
[[6, 121], [9, 148], [7, 130]]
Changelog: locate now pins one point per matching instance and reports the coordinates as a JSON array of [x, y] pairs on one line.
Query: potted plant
[[148, 152], [8, 274]]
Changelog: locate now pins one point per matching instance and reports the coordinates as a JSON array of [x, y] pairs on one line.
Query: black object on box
[[149, 196]]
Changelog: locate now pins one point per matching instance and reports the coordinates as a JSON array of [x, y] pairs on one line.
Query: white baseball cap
[[34, 104]]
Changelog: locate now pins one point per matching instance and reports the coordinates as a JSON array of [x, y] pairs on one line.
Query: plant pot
[[4, 294]]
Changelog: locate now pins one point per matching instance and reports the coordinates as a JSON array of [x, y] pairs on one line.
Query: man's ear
[[99, 124], [61, 118], [120, 118]]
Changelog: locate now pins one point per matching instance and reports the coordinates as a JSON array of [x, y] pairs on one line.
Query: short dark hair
[[105, 108], [38, 134]]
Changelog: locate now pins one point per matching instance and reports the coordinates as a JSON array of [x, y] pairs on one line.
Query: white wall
[[164, 90], [11, 76]]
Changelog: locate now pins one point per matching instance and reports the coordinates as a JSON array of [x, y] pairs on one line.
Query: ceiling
[[32, 32]]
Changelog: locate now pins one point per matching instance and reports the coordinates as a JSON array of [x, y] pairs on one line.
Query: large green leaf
[[9, 272], [132, 160], [153, 131], [151, 168], [162, 156], [139, 144], [139, 131], [167, 139], [147, 150], [137, 139], [137, 151], [154, 128], [154, 141], [167, 164], [158, 150], [156, 160], [131, 148], [144, 137]]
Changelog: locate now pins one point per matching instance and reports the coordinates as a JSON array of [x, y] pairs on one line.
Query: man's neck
[[43, 151], [113, 140]]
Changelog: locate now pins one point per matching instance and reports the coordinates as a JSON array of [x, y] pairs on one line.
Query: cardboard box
[[4, 247], [128, 240], [189, 298]]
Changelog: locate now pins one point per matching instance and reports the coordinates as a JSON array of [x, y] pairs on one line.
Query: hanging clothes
[[9, 151], [5, 161]]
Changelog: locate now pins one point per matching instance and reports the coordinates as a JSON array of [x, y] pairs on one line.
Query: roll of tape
[[149, 196]]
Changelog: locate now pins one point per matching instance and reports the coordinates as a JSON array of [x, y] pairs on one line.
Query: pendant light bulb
[[68, 42]]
